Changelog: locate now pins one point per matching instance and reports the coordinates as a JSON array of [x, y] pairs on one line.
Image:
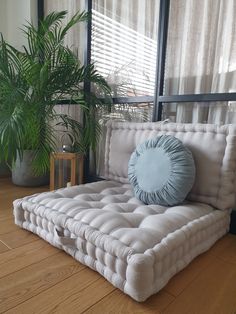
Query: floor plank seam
[[16, 247], [76, 291], [166, 307], [10, 248], [27, 265], [38, 294], [183, 291], [194, 278], [168, 292], [105, 296], [227, 262]]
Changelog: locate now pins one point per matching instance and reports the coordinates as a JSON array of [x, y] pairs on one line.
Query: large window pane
[[124, 44], [201, 49]]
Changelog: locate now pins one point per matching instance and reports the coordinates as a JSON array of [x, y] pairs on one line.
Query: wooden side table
[[76, 169]]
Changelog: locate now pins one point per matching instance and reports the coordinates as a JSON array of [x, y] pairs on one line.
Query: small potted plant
[[32, 82]]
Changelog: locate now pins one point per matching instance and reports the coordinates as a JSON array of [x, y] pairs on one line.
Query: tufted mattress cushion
[[136, 247], [213, 148]]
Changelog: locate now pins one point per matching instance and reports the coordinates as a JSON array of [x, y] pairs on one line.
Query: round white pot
[[22, 172]]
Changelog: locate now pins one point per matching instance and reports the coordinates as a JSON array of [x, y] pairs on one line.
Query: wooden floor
[[38, 278]]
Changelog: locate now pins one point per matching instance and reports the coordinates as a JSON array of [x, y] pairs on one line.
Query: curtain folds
[[201, 50], [124, 48], [124, 44], [76, 36], [75, 40], [201, 57]]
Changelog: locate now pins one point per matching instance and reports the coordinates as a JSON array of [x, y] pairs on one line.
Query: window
[[124, 45], [201, 56], [195, 45]]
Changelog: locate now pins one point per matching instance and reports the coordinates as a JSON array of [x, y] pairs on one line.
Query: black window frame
[[160, 72], [158, 99]]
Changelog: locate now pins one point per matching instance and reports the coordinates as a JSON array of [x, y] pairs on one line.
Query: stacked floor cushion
[[139, 247]]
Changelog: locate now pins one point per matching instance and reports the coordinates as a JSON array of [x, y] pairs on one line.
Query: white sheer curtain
[[124, 48], [124, 44], [75, 40], [201, 57], [76, 36]]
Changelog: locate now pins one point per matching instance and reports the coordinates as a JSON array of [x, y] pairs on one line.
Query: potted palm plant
[[32, 82]]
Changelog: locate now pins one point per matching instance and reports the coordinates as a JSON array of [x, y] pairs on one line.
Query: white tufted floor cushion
[[136, 247]]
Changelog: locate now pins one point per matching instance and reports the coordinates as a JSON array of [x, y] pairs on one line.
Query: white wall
[[13, 15], [2, 16]]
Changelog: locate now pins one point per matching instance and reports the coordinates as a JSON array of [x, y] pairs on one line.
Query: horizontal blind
[[123, 56]]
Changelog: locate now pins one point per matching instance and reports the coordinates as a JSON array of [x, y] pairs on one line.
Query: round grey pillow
[[161, 171]]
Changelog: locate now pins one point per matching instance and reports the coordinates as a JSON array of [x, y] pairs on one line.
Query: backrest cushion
[[161, 171], [213, 148]]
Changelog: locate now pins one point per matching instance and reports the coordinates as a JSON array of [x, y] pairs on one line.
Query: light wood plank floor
[[38, 278]]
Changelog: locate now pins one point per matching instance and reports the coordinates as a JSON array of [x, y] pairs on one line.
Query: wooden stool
[[76, 165]]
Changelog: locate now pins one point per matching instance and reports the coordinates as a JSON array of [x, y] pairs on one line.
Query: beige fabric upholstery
[[137, 247], [213, 148]]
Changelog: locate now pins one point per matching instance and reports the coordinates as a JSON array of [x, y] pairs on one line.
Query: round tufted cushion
[[161, 171]]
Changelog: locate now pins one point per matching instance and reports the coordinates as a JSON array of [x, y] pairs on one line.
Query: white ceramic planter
[[22, 172]]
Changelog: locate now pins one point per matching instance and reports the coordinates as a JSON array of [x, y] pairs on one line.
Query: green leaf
[[34, 80]]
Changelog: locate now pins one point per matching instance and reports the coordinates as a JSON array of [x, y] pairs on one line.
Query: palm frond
[[34, 80], [53, 19], [78, 17], [10, 140]]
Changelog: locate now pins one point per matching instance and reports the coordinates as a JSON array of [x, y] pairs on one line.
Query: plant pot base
[[30, 182], [22, 173]]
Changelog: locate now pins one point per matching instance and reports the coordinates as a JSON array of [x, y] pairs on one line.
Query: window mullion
[[161, 56]]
